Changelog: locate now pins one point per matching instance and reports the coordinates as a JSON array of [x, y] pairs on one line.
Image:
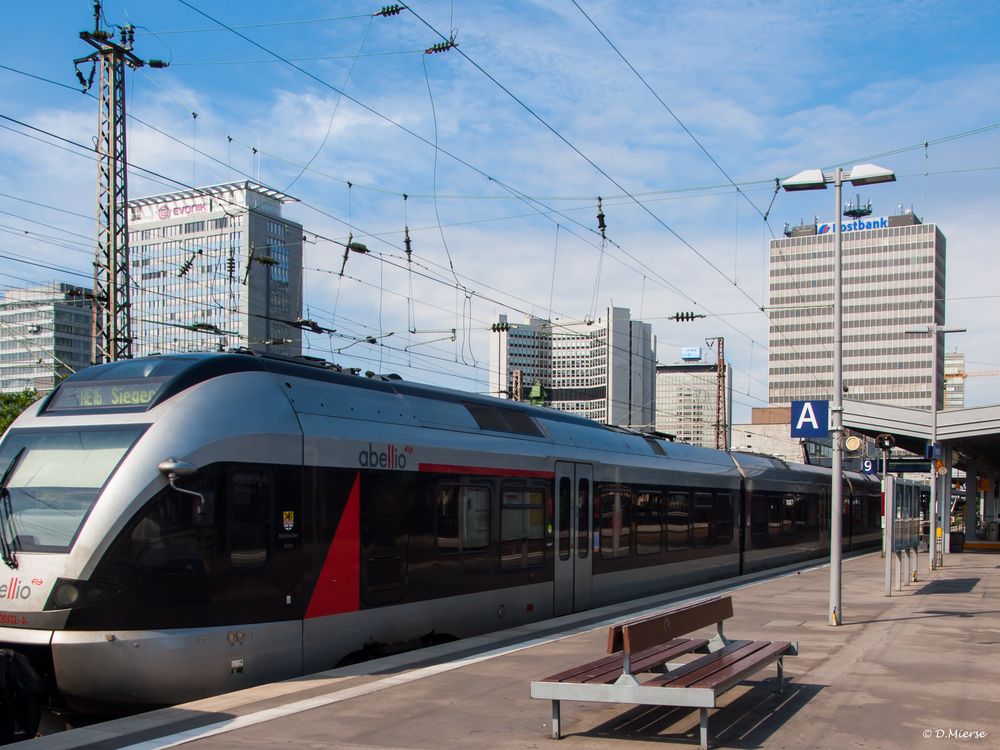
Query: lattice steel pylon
[[112, 326], [721, 426]]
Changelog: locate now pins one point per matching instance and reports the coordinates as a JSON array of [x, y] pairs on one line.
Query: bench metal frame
[[633, 637]]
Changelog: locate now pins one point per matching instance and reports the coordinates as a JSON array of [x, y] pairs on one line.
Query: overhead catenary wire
[[63, 139], [557, 227], [586, 158], [333, 114], [673, 114], [647, 195], [409, 131]]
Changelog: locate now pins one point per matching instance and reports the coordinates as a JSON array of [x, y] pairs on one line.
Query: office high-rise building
[[601, 369], [687, 403], [215, 268], [45, 335], [954, 380], [893, 279]]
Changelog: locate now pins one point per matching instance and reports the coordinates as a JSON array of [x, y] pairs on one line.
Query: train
[[180, 526]]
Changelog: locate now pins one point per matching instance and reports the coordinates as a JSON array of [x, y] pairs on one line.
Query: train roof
[[169, 374], [138, 385]]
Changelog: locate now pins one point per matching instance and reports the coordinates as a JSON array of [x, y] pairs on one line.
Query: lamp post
[[817, 179], [933, 510]]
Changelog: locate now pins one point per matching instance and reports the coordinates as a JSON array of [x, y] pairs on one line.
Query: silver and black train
[[181, 526]]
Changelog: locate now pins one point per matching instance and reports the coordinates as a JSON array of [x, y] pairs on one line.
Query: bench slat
[[650, 630], [733, 674], [706, 665], [613, 664], [650, 660]]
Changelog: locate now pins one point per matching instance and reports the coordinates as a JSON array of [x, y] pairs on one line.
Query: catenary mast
[[111, 321]]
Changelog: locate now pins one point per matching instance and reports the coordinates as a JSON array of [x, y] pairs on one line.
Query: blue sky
[[536, 120]]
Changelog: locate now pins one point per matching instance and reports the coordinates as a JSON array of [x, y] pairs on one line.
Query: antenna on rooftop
[[859, 209]]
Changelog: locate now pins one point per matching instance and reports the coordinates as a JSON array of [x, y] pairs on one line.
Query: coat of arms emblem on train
[[288, 519]]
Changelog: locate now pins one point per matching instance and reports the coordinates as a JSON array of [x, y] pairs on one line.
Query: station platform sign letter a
[[810, 418]]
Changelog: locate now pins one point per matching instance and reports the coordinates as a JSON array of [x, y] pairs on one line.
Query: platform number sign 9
[[868, 466]]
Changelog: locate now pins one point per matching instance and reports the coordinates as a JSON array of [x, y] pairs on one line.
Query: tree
[[12, 404]]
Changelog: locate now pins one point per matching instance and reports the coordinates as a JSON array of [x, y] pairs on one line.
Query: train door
[[574, 518]]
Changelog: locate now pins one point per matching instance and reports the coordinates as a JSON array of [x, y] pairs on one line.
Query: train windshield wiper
[[8, 544]]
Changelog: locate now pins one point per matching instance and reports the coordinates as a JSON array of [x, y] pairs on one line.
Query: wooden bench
[[640, 668]]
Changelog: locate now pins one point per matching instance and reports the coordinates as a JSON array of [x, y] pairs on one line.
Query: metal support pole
[[889, 518], [817, 179], [837, 479], [971, 497], [932, 545], [944, 512]]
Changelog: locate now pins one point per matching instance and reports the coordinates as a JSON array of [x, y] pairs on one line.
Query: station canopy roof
[[971, 433]]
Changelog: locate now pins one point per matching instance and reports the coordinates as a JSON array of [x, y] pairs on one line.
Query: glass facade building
[[893, 279], [45, 335], [215, 268], [687, 407]]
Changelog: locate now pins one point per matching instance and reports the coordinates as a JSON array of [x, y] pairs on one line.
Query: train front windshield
[[54, 477]]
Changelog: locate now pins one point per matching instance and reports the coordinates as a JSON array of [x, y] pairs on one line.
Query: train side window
[[794, 522], [702, 519], [171, 533], [776, 515], [463, 518], [759, 511], [648, 523], [250, 514], [565, 517], [616, 522], [522, 528], [583, 519], [724, 517], [872, 514], [678, 521]]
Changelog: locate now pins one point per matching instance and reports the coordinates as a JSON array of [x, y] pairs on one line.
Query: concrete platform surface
[[917, 670]]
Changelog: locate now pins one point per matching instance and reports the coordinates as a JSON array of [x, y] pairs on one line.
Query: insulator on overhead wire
[[600, 218], [406, 243], [441, 47]]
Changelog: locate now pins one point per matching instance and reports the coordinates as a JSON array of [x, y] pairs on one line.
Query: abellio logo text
[[15, 589], [384, 457]]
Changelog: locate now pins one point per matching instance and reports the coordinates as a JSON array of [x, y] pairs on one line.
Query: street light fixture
[[817, 179], [933, 511]]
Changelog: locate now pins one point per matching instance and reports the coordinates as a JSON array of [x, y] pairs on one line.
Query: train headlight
[[65, 595], [73, 594]]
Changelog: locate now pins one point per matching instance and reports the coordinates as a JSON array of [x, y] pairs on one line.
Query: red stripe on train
[[486, 471], [338, 588]]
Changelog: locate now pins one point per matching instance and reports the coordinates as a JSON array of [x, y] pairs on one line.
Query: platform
[[919, 669]]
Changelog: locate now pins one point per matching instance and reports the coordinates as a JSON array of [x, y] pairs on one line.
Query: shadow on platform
[[745, 722], [142, 728], [949, 586]]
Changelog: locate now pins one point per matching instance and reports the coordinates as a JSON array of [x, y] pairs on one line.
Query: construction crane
[[975, 374]]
